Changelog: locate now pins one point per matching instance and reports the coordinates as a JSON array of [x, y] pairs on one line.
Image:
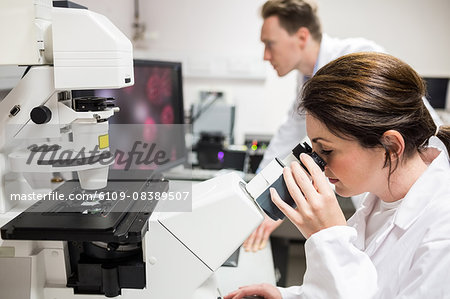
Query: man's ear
[[303, 36], [394, 143]]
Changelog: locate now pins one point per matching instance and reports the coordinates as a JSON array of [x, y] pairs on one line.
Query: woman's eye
[[324, 152]]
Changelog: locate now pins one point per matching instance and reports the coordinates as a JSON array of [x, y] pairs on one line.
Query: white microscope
[[57, 248]]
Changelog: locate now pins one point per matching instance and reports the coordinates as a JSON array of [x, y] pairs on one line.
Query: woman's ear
[[394, 143]]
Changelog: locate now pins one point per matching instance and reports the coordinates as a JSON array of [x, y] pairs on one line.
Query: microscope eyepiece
[[308, 150], [264, 198]]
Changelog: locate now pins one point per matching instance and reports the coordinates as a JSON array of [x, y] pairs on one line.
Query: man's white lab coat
[[409, 257]]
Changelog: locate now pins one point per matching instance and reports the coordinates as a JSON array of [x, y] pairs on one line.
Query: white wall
[[416, 31], [218, 43]]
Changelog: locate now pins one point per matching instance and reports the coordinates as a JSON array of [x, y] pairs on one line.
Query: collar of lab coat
[[415, 200], [413, 203], [325, 53]]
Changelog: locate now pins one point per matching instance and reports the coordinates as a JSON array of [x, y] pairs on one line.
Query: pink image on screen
[[167, 116], [159, 86]]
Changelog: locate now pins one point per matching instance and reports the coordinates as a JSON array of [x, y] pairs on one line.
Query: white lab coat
[[409, 257], [293, 129]]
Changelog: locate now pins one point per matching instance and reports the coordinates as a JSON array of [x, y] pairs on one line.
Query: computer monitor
[[153, 106], [437, 91]]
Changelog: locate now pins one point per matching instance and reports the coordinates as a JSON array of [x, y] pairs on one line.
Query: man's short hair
[[294, 14]]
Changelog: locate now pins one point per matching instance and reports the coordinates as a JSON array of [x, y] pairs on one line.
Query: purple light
[[220, 156]]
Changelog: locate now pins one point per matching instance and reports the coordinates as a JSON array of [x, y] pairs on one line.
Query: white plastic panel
[[222, 217]]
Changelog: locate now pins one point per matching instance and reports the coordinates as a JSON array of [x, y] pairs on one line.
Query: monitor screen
[[151, 113]]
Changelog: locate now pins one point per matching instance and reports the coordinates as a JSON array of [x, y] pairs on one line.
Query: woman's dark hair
[[362, 95]]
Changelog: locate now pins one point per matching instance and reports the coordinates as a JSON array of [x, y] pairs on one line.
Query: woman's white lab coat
[[409, 258]]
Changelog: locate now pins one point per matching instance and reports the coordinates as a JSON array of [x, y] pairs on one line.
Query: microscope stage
[[115, 213]]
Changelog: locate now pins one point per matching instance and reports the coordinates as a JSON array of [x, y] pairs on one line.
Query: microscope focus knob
[[41, 115]]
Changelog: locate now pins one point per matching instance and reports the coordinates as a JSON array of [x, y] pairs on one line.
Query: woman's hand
[[265, 290], [317, 206], [258, 239]]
